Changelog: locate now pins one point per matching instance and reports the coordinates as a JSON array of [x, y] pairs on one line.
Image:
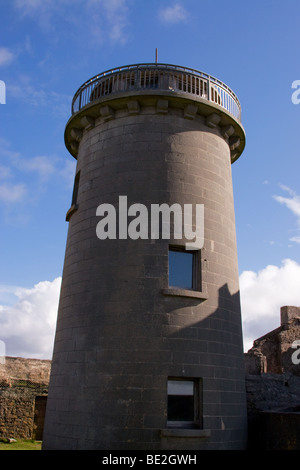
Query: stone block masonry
[[272, 386], [124, 332], [23, 394]]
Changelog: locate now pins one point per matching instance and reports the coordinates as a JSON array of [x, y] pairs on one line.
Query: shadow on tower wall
[[211, 349]]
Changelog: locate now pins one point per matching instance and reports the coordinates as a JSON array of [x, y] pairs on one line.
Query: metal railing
[[163, 77]]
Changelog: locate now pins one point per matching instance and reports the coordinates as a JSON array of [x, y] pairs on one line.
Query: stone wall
[[22, 383], [35, 370], [273, 386], [273, 402]]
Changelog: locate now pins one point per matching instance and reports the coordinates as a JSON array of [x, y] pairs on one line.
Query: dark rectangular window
[[184, 403], [184, 268], [74, 205], [75, 189]]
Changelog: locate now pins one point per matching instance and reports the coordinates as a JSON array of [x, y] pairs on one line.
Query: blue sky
[[48, 48]]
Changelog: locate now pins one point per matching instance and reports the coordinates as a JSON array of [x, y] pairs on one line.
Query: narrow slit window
[[184, 268], [75, 189], [74, 205]]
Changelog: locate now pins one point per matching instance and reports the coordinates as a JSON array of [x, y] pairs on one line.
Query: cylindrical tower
[[148, 348]]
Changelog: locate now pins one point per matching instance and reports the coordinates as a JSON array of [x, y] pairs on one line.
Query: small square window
[[184, 268], [183, 403]]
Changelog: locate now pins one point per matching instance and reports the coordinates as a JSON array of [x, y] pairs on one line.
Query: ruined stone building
[[273, 352], [23, 397], [273, 385]]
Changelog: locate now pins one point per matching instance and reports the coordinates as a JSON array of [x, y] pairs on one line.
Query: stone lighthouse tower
[[148, 350]]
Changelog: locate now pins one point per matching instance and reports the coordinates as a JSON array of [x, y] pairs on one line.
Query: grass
[[21, 444]]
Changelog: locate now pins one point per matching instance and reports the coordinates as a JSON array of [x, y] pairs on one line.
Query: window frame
[[197, 405], [196, 268]]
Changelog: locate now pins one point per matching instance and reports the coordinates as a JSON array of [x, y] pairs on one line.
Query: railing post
[[137, 80], [79, 106], [208, 89]]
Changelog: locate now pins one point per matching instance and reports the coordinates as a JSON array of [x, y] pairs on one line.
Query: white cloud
[[42, 165], [262, 295], [15, 173], [6, 56], [41, 10], [173, 14], [5, 172], [11, 193], [28, 5], [293, 204], [58, 103], [27, 327], [105, 18], [108, 19]]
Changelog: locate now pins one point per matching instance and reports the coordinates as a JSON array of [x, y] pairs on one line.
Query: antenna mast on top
[[156, 55]]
